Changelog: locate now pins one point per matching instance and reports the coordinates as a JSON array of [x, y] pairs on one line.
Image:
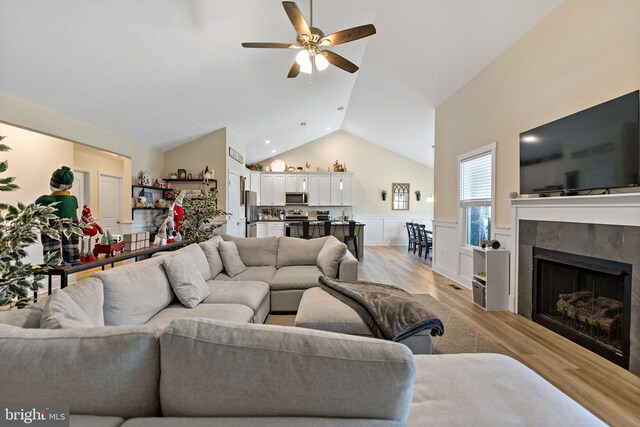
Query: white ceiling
[[164, 72]]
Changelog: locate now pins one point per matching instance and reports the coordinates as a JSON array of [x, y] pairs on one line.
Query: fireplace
[[584, 299]]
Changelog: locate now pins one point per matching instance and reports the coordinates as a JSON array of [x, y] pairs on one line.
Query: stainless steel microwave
[[296, 199]]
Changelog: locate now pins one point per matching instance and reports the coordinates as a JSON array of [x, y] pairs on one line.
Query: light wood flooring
[[608, 391]]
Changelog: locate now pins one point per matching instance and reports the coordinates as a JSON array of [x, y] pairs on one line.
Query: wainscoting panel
[[389, 230]]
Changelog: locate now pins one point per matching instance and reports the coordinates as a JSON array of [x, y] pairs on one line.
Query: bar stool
[[354, 227], [327, 228], [305, 231]]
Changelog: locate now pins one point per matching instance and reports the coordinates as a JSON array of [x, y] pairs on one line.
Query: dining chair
[[412, 238], [354, 229]]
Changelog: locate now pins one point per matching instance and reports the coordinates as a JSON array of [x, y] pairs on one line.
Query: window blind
[[475, 181]]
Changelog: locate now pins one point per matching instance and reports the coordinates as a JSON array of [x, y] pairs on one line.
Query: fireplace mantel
[[615, 209]]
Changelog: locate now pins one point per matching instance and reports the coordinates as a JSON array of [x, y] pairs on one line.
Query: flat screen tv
[[598, 148]]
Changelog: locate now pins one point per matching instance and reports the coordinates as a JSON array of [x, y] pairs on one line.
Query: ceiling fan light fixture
[[321, 62], [306, 68], [302, 58]]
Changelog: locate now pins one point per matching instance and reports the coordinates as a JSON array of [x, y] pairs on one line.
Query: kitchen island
[[339, 229]]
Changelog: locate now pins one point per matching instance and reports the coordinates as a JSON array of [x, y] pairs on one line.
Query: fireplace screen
[[583, 299]]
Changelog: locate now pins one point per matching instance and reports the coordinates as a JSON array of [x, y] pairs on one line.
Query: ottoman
[[319, 310]]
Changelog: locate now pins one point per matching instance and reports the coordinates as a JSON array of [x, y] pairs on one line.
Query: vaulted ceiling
[[164, 72]]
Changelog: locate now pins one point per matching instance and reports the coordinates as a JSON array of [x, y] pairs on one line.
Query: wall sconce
[[418, 195], [384, 195]]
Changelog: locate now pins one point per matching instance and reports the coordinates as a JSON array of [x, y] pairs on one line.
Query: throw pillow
[[186, 281], [62, 312], [233, 265], [210, 249], [330, 256]]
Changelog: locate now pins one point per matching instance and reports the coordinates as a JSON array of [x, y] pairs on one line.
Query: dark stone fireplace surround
[[609, 242]]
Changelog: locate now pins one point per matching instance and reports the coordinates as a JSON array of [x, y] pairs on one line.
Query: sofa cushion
[[261, 274], [77, 306], [295, 251], [330, 256], [308, 373], [258, 421], [210, 249], [231, 260], [249, 293], [256, 251], [186, 281], [96, 371], [232, 312], [28, 317], [134, 293], [495, 389], [296, 277], [61, 312], [95, 421], [196, 253]]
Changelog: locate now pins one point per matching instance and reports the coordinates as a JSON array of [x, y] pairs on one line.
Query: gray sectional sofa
[[175, 340]]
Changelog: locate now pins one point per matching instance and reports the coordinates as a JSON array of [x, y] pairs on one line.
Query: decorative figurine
[[90, 228], [67, 249]]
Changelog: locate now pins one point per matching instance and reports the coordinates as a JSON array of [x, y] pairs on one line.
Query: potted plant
[[19, 225], [199, 213], [337, 167]]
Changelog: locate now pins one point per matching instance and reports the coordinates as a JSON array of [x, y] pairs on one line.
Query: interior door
[[80, 189], [110, 206], [233, 205]]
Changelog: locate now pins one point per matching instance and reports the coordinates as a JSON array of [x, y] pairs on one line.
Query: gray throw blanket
[[390, 313]]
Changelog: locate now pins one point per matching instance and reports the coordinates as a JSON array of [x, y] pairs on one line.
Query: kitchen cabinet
[[262, 229], [254, 184], [272, 189], [296, 183], [275, 229], [341, 189], [319, 190]]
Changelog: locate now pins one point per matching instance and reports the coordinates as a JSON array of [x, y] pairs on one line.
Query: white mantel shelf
[[619, 209]]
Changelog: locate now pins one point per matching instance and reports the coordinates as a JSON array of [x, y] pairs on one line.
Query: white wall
[[585, 52]]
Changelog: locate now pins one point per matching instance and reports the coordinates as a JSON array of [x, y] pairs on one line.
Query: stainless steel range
[[296, 214]]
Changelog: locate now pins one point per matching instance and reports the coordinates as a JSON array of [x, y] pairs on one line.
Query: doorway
[[110, 202]]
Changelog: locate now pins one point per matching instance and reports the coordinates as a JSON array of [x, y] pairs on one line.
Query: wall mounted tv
[[598, 148]]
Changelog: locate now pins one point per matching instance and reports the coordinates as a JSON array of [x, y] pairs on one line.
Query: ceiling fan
[[311, 39]]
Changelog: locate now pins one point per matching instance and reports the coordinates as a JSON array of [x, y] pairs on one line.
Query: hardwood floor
[[605, 389]]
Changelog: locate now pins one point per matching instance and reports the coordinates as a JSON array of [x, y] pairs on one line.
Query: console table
[[65, 271]]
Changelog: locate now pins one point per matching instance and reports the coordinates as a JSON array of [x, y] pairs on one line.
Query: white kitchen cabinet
[[319, 190], [341, 190], [262, 229], [272, 189], [254, 184], [296, 183], [275, 229]]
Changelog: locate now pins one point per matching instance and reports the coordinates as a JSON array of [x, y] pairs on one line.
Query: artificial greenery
[[199, 214], [18, 227]]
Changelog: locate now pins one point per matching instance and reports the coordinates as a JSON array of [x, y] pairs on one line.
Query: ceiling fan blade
[[296, 18], [294, 71], [269, 45], [340, 61], [348, 35]]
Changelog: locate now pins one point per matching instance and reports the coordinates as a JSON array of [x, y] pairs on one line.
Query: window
[[400, 197], [476, 194]]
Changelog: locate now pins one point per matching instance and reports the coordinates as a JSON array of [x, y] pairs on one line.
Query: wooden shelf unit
[[494, 263]]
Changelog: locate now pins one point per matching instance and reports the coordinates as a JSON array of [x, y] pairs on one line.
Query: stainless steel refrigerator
[[251, 212]]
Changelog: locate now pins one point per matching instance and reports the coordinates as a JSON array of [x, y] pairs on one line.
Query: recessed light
[[273, 151], [303, 124], [329, 128], [340, 108], [268, 141]]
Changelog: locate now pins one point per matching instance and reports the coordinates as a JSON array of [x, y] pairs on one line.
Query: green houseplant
[[19, 225], [199, 214]]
